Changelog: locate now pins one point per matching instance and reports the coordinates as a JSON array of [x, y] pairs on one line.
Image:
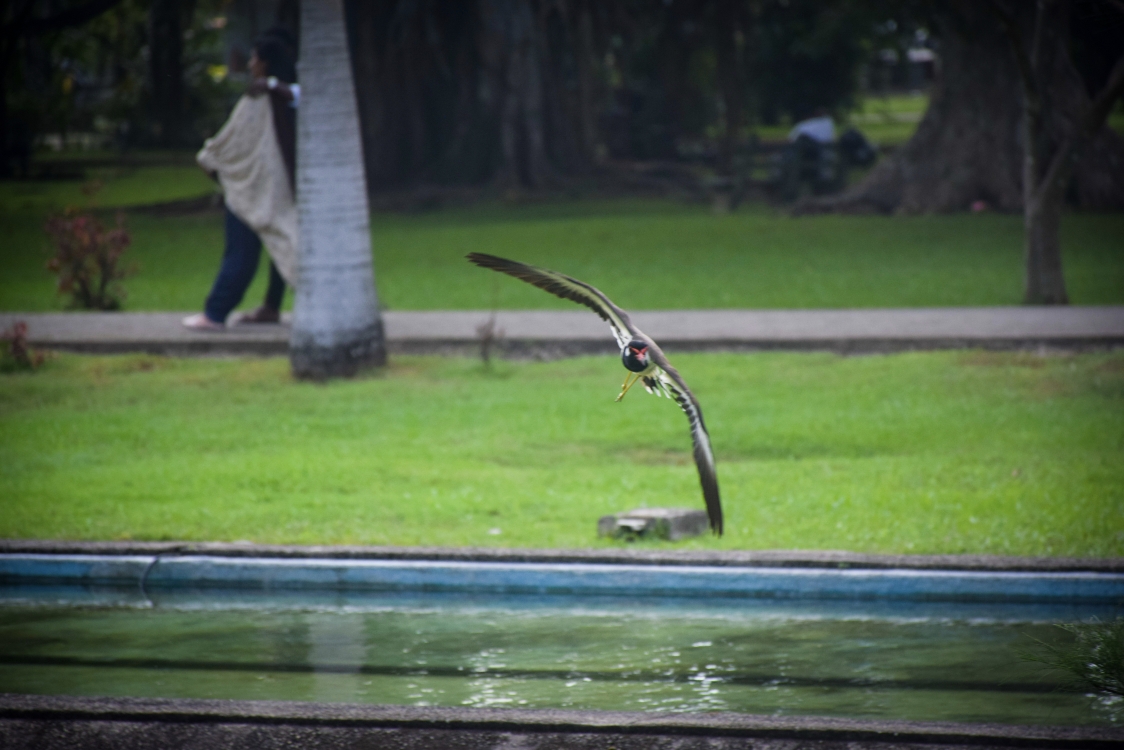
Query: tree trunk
[[337, 329], [1044, 279], [166, 21], [1058, 123], [968, 146], [584, 58], [512, 51], [1046, 30], [729, 81]]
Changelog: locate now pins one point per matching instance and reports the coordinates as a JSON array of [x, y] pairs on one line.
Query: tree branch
[[1036, 43], [1102, 105], [1070, 150], [1026, 68]]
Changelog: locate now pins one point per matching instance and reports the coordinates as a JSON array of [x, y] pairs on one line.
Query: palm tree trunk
[[337, 329]]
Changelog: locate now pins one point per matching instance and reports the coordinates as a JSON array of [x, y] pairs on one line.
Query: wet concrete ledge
[[629, 555], [50, 722], [179, 569]]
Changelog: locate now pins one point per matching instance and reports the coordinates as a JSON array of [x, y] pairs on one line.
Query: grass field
[[644, 254], [922, 453]]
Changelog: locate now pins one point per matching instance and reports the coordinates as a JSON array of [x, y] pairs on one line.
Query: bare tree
[[337, 329], [972, 143], [1050, 153]]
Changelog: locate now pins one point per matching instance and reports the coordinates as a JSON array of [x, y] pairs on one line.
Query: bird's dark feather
[[563, 286], [700, 437], [669, 381]]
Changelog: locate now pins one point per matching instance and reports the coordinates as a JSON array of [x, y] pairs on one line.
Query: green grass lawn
[[122, 187], [645, 254], [922, 453]]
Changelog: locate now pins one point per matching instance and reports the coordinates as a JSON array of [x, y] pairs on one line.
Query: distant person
[[819, 127], [810, 157], [253, 157]]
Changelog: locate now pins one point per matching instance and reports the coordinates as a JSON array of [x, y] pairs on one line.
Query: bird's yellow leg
[[630, 380]]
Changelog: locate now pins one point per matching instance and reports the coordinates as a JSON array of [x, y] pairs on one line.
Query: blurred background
[[646, 147], [629, 95]]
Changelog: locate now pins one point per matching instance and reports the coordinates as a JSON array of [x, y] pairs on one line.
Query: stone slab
[[671, 524]]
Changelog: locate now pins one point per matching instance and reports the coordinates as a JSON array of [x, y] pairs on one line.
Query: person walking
[[253, 156]]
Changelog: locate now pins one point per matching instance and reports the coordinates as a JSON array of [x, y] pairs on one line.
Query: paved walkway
[[548, 334]]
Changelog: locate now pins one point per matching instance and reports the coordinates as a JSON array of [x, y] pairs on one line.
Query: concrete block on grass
[[660, 523]]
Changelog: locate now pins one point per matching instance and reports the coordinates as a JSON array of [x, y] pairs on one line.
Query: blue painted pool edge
[[176, 571]]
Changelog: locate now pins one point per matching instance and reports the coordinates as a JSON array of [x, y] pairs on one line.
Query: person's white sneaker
[[200, 322]]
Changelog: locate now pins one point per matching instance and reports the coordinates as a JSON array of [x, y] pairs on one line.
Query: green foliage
[[949, 452], [806, 56], [94, 77], [1093, 656]]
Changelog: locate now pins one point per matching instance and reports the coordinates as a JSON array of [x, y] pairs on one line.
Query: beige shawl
[[251, 170]]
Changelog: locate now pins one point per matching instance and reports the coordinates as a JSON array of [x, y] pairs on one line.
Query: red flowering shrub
[[87, 259], [16, 354]]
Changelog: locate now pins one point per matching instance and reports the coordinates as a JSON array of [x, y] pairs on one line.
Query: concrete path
[[550, 334]]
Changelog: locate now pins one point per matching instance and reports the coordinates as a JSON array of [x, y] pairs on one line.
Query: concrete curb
[[178, 571], [78, 722], [626, 556], [551, 334]]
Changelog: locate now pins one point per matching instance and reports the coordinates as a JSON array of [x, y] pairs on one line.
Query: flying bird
[[646, 363]]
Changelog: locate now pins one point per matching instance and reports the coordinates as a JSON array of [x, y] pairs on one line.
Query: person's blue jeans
[[239, 263]]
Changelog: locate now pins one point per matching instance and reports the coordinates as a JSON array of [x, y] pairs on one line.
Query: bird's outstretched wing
[[563, 286], [673, 382], [670, 380]]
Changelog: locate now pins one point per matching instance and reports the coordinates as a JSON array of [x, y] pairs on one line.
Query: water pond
[[913, 661]]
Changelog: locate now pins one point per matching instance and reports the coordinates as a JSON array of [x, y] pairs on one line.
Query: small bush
[[87, 259], [16, 355]]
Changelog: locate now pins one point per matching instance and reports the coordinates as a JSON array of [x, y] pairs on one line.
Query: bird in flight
[[646, 363]]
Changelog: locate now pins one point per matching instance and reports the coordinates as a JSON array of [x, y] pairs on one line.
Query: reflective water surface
[[926, 662]]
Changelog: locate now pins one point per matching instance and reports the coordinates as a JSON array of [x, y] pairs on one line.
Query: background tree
[[1010, 122], [24, 20], [337, 329], [526, 93], [95, 74], [969, 143], [1058, 122], [167, 22]]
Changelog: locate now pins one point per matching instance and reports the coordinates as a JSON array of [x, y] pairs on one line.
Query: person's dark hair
[[277, 56]]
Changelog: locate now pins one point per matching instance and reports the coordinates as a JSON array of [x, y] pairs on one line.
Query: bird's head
[[636, 356]]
